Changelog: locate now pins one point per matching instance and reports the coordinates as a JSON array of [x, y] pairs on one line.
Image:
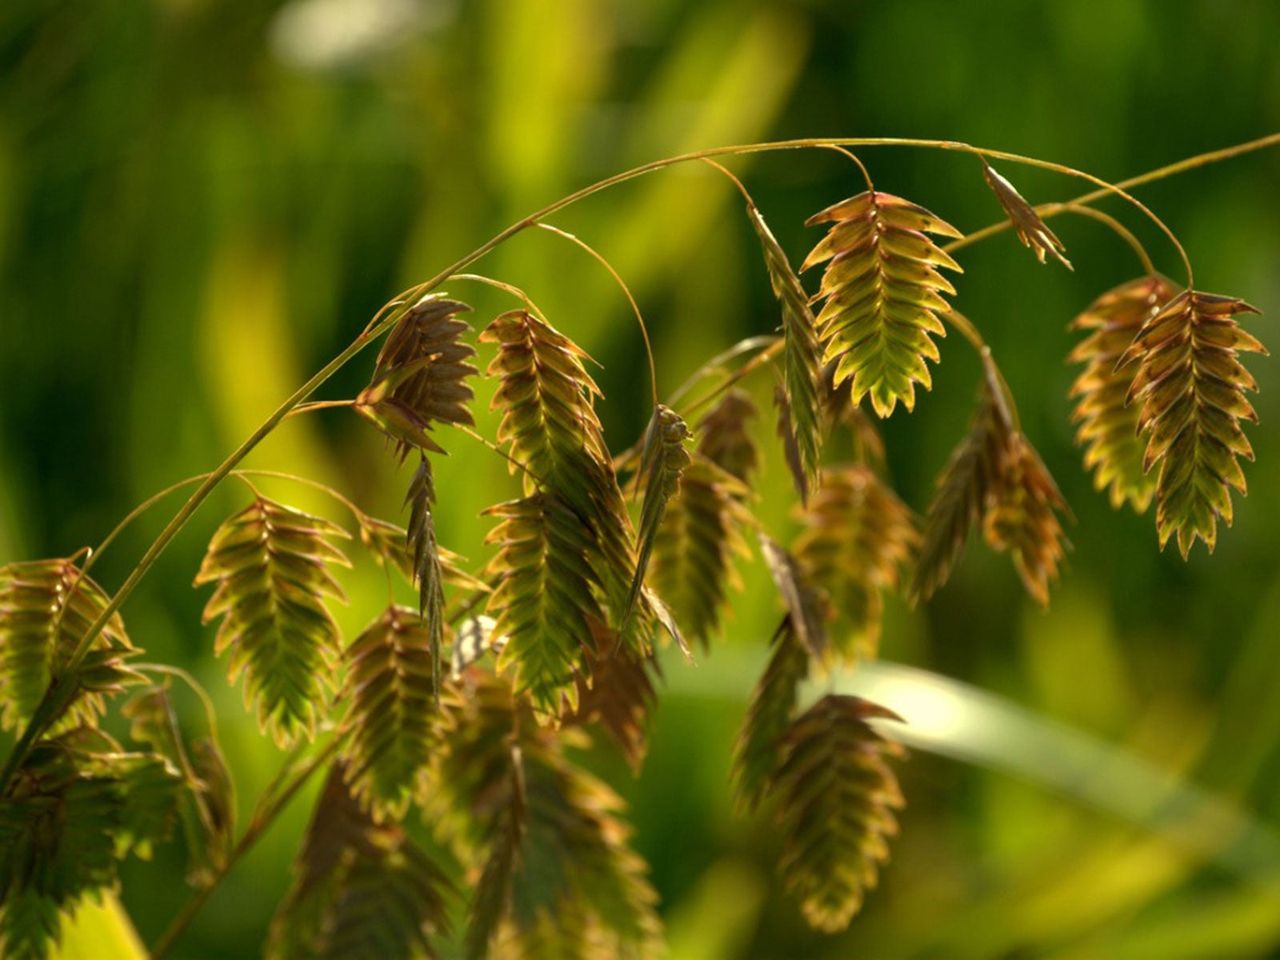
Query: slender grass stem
[[626, 292]]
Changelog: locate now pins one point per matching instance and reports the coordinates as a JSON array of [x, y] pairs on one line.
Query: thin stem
[[210, 713], [502, 285], [346, 501], [626, 291], [766, 355], [482, 439], [390, 313], [733, 178], [1119, 229], [716, 364], [315, 405], [966, 328], [866, 175], [1105, 189], [262, 819]]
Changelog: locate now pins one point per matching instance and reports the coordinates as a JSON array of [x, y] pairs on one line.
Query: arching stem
[[626, 292]]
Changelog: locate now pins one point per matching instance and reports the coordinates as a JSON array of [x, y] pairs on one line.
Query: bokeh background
[[203, 200]]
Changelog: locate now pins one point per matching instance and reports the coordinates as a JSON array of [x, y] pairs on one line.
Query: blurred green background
[[202, 200]]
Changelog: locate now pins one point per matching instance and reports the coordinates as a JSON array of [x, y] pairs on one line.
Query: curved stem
[[733, 178], [995, 381], [626, 291], [866, 174], [716, 363], [1119, 229], [502, 285], [967, 329], [346, 501], [210, 713], [485, 441], [391, 312]]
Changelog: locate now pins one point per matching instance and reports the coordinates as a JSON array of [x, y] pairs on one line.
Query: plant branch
[[57, 697]]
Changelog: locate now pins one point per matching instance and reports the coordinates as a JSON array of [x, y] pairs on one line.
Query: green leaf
[[271, 567], [882, 295]]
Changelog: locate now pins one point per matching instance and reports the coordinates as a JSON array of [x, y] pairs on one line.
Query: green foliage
[[206, 806], [46, 606], [1108, 423], [78, 806], [391, 719], [271, 566], [1192, 390], [576, 597], [881, 292], [858, 538], [362, 889], [556, 870], [835, 795], [801, 363]]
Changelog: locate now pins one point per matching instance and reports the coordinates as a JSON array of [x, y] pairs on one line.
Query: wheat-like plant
[[558, 636]]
